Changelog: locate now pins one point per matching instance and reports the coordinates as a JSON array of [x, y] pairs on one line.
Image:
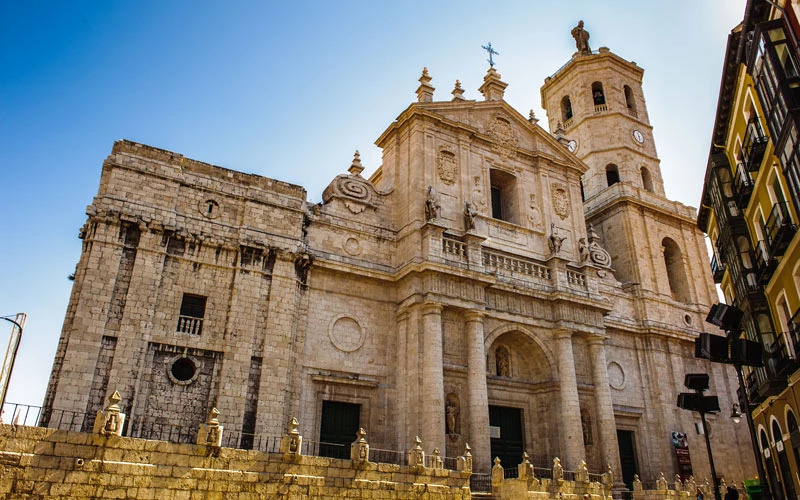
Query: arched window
[[676, 274], [566, 108], [647, 181], [791, 422], [612, 174], [630, 103], [777, 434], [598, 96]]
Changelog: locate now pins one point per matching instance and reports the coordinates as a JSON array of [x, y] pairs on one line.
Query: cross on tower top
[[488, 48]]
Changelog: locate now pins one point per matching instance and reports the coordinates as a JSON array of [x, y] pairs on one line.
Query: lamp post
[[11, 353]]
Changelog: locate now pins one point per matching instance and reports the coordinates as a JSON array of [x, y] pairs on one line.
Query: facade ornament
[[678, 483], [110, 421], [661, 482], [532, 118], [359, 449], [504, 140], [583, 249], [292, 441], [560, 200], [356, 167], [416, 456], [436, 459], [502, 358], [432, 205], [470, 212], [525, 469], [458, 92], [210, 433], [478, 193], [608, 477], [690, 485], [447, 166], [581, 37], [582, 474], [498, 474], [464, 463], [556, 241], [597, 254], [558, 470], [535, 215], [451, 412], [425, 89]]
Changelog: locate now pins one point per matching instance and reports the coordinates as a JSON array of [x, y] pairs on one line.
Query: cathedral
[[490, 283]]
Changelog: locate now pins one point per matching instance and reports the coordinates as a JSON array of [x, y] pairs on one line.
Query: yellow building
[[750, 212]]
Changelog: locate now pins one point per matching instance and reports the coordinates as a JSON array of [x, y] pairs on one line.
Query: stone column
[[402, 376], [604, 409], [433, 425], [571, 430], [478, 397]]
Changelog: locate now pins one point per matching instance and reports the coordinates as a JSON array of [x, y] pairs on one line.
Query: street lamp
[[736, 416]]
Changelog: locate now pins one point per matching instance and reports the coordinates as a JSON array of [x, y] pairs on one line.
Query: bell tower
[[596, 108]]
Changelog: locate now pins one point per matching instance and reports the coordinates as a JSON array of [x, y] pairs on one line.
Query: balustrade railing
[[503, 263], [576, 279], [600, 108], [454, 249], [190, 325]]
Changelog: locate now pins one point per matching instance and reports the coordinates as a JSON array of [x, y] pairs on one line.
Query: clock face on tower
[[638, 137], [572, 145]]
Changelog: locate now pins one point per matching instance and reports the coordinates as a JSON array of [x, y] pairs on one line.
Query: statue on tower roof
[[581, 37]]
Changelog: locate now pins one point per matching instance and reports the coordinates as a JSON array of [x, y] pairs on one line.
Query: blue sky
[[287, 90]]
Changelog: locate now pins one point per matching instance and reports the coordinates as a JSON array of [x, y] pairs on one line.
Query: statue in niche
[[581, 37], [586, 425], [469, 216], [432, 205], [583, 249], [503, 361], [556, 241], [451, 411]]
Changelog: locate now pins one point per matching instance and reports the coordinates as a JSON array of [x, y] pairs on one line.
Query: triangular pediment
[[506, 130]]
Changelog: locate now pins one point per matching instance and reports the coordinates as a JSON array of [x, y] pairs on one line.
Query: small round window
[[183, 370]]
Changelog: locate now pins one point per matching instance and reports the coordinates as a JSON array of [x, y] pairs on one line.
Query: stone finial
[[464, 463], [292, 441], [436, 459], [493, 88], [110, 420], [210, 433], [525, 469], [678, 483], [532, 118], [582, 474], [558, 470], [498, 474], [359, 449], [425, 89], [608, 477], [637, 483], [356, 168], [661, 482], [458, 92], [416, 456]]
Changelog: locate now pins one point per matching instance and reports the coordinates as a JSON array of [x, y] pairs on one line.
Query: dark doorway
[[340, 422], [509, 446], [627, 457], [786, 472]]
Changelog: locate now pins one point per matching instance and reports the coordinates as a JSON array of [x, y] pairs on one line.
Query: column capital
[[472, 316], [561, 333], [594, 339], [432, 308], [402, 314]]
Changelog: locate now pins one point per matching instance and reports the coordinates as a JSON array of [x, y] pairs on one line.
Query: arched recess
[[491, 341], [566, 109], [630, 102], [598, 95], [612, 174], [676, 272], [647, 180]]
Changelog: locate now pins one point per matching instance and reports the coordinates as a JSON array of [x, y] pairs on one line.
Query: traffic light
[[746, 352], [696, 381], [697, 402], [712, 347], [725, 316]]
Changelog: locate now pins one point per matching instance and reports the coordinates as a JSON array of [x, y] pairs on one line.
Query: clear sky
[[287, 90]]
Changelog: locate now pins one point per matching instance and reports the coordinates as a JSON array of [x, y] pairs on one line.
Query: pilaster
[[571, 430], [604, 409], [478, 396], [433, 414]]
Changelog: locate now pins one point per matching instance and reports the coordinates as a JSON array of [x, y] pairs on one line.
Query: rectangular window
[[193, 308], [497, 203]]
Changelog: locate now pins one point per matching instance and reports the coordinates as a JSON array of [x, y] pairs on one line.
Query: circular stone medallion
[[616, 376], [346, 334]]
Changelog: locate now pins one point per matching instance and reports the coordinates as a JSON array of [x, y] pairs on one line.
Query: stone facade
[[464, 283]]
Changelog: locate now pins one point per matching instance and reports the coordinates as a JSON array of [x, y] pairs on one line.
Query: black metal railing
[[754, 145], [717, 268], [765, 262], [480, 483], [780, 228], [743, 186]]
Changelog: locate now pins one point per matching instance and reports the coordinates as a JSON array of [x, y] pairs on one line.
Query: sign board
[[494, 432], [680, 443]]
